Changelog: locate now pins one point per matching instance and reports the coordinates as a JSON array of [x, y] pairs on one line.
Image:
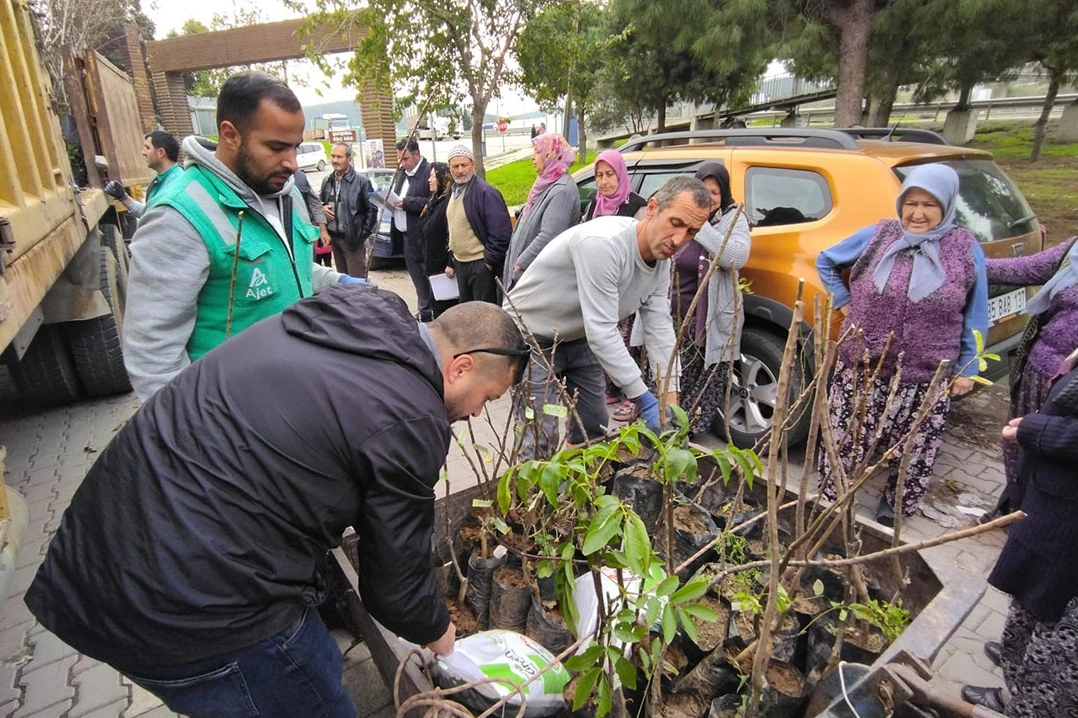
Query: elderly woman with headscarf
[[917, 288], [614, 196], [711, 338], [553, 205], [1051, 334]]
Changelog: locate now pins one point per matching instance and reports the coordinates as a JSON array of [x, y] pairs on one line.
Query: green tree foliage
[[831, 38], [976, 40], [1057, 52], [903, 34], [658, 57], [560, 53], [433, 52]]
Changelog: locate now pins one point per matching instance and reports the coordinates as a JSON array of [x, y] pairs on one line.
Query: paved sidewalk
[[50, 451]]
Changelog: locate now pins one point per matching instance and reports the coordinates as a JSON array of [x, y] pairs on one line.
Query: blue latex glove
[[347, 279], [648, 407]]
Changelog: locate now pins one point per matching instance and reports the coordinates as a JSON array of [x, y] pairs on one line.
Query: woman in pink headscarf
[[614, 194], [553, 205]]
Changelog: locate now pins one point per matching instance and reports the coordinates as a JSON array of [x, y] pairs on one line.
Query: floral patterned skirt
[[703, 388], [867, 424]]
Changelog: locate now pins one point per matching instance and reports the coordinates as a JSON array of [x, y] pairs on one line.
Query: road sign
[[342, 136], [503, 126]]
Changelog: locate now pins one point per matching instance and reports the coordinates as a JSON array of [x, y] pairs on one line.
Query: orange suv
[[803, 190]]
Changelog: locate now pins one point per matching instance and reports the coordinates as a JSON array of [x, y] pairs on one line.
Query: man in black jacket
[[187, 558], [412, 186], [479, 230], [350, 216]]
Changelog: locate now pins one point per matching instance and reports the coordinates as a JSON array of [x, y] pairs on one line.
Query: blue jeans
[[295, 673]]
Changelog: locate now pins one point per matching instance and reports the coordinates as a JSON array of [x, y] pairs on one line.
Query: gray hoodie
[[169, 266]]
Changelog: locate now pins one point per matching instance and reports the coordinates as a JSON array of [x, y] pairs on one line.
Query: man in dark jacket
[[479, 230], [350, 216], [237, 477], [411, 183]]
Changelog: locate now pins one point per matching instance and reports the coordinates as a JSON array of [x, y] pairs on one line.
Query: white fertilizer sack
[[510, 659]]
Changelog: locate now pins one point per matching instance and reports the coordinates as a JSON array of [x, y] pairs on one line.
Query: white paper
[[385, 202], [444, 287]]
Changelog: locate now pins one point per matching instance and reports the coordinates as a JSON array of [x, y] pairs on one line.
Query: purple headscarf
[[557, 158], [605, 206]]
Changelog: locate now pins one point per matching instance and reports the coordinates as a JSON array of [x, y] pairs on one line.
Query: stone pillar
[[172, 104], [959, 127], [136, 68], [376, 109], [790, 120], [701, 123], [1068, 124]]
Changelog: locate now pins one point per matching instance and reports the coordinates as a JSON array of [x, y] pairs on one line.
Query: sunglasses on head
[[522, 356]]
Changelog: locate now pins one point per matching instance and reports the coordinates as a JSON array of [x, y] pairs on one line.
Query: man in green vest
[[227, 243], [162, 153]]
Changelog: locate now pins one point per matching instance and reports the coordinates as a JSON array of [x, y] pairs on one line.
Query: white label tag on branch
[[555, 410], [529, 413]]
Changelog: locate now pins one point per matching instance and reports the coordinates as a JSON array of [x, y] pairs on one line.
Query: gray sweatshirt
[[584, 282], [169, 266]]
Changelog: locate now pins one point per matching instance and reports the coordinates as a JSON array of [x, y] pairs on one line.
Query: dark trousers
[[575, 364], [475, 282], [349, 261], [415, 258]]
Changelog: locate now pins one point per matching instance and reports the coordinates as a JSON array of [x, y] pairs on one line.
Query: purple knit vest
[[926, 332]]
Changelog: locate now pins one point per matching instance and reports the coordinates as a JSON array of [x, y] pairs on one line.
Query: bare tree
[[429, 49], [79, 24]]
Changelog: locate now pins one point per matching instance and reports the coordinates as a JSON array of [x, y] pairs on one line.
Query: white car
[[312, 156]]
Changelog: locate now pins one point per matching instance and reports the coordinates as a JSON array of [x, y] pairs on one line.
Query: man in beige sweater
[[479, 230]]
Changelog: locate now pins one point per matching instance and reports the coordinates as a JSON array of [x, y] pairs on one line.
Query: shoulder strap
[[286, 218]]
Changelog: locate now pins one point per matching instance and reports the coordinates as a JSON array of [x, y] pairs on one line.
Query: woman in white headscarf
[[917, 288]]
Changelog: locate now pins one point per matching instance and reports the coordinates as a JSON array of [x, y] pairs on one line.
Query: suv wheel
[[754, 391], [321, 165]]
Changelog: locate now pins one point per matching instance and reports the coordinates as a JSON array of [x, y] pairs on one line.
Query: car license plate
[[1004, 305]]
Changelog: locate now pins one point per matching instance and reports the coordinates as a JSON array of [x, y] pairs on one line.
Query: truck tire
[[45, 375], [95, 343], [755, 390], [113, 238]]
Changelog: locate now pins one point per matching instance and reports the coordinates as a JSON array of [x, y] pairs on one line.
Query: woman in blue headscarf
[[917, 288]]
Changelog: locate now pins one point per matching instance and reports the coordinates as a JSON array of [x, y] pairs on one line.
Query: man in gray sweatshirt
[[227, 243], [574, 294]]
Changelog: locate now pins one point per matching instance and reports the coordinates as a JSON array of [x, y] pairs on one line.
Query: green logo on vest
[[259, 287]]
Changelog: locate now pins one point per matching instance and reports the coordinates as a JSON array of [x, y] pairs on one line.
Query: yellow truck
[[63, 261]]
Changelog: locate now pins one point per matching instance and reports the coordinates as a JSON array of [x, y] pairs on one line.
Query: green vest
[[267, 279], [161, 180]]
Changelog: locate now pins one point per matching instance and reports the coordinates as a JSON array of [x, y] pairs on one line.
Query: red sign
[[503, 126]]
